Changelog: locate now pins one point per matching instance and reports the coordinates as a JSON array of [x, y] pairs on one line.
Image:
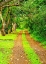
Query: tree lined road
[[24, 15], [18, 55]]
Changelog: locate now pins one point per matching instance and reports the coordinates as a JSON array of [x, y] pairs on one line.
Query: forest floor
[[19, 57]]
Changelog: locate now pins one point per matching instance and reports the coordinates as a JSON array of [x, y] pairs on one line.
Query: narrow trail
[[41, 52], [18, 56]]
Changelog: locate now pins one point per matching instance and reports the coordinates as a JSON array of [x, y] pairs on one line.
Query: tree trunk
[[3, 32], [13, 27], [2, 28]]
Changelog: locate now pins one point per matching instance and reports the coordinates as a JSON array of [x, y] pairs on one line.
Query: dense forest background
[[25, 14]]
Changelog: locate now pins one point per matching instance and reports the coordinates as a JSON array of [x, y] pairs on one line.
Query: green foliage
[[0, 23], [5, 12], [5, 51], [30, 14], [1, 0], [37, 24]]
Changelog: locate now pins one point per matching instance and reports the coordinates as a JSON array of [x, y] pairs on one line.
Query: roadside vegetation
[[5, 51], [30, 53], [6, 45]]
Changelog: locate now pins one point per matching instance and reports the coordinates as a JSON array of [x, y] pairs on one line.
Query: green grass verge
[[18, 30], [43, 44], [5, 51], [5, 55], [31, 55], [6, 45], [8, 36]]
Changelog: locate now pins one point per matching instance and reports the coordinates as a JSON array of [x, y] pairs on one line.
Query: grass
[[8, 36], [18, 30], [5, 51], [43, 44], [5, 55], [6, 45], [31, 55]]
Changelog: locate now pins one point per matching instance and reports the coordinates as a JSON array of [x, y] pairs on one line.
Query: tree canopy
[[29, 14]]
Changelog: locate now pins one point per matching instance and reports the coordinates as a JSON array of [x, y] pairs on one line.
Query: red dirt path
[[18, 56], [38, 49]]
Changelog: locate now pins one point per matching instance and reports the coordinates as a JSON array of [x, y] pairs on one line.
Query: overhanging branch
[[4, 2], [11, 5]]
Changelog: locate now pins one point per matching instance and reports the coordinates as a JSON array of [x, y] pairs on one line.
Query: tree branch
[[4, 2]]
